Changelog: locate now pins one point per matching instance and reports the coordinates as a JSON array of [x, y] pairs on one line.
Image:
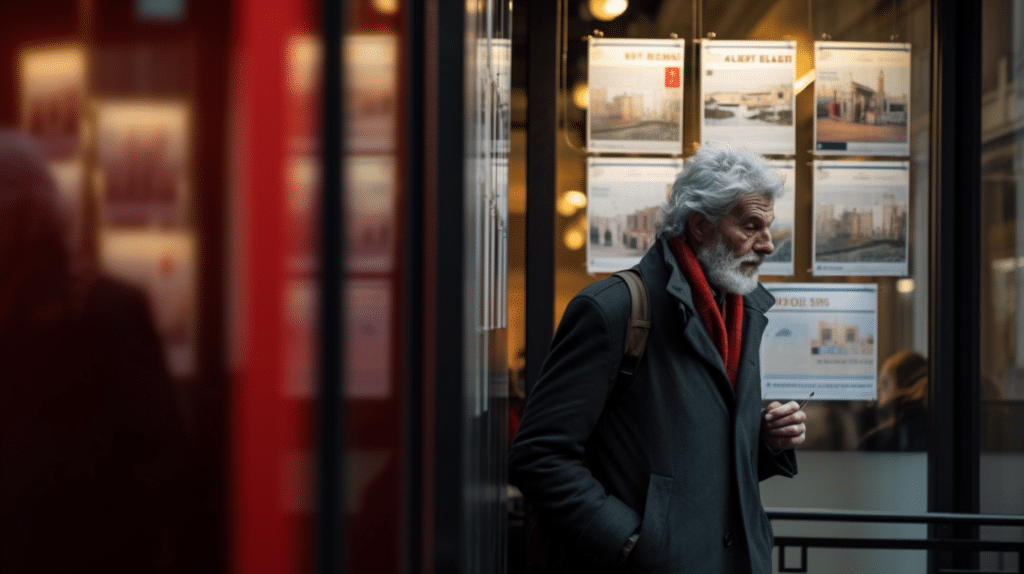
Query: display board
[[142, 172], [861, 217], [862, 98], [636, 96], [747, 94], [821, 338], [625, 198]]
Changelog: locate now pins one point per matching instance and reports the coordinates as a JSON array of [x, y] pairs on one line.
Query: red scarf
[[728, 341]]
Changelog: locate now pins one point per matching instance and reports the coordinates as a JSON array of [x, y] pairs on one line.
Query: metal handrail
[[894, 517], [932, 518]]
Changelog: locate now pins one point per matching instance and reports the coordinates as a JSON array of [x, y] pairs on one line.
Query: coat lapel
[[755, 305], [694, 331]]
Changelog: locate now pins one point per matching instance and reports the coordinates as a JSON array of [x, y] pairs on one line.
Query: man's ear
[[699, 226]]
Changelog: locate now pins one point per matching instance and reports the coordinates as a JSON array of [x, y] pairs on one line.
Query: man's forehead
[[753, 205]]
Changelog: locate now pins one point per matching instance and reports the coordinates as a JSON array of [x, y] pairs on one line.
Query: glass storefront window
[[875, 449], [1002, 268]]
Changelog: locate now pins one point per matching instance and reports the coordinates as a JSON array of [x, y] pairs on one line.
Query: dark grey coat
[[676, 454]]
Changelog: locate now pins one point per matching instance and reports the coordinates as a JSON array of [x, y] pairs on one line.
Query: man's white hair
[[713, 181]]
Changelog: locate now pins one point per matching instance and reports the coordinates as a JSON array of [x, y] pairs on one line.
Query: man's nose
[[764, 245]]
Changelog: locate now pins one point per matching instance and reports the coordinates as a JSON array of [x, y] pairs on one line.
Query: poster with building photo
[[635, 96], [368, 339], [747, 94], [371, 86], [821, 338], [142, 168], [624, 201], [861, 217], [371, 182], [53, 84], [781, 261], [163, 265], [862, 98]]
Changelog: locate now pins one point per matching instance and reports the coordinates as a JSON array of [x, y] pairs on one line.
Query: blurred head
[[723, 204], [35, 248], [903, 377]]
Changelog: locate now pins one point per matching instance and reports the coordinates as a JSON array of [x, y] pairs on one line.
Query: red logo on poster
[[671, 77]]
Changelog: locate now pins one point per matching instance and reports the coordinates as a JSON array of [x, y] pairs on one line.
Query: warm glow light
[[581, 95], [570, 202], [905, 286], [386, 6], [574, 239], [802, 82], [607, 10], [1007, 264]]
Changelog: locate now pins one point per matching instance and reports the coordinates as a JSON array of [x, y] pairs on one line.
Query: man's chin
[[736, 281]]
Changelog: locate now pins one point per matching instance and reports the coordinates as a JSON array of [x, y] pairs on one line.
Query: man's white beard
[[722, 268]]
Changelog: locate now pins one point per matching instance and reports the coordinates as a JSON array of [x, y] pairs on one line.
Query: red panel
[[267, 426]]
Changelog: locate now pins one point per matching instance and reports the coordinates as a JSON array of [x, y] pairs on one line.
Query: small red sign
[[671, 77]]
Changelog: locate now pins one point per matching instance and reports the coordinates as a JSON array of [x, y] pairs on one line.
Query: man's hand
[[785, 425]]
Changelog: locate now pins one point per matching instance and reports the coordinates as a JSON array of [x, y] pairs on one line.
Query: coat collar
[[659, 266]]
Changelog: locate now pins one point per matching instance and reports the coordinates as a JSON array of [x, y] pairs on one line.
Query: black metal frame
[[414, 38], [942, 538], [331, 533], [446, 30], [954, 410], [541, 167]]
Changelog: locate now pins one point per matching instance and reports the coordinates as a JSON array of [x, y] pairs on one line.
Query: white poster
[[143, 173], [624, 202], [747, 94], [371, 84], [862, 98], [368, 339], [636, 96], [163, 265], [781, 261], [861, 217], [53, 87], [370, 217], [821, 338]]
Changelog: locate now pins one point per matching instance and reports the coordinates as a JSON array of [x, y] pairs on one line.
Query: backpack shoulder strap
[[639, 325]]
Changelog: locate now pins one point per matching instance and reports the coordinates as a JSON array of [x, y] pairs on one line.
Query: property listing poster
[[781, 261], [163, 265], [747, 90], [636, 96], [53, 85], [624, 201], [371, 84], [370, 203], [142, 172], [862, 98], [368, 339], [861, 217], [821, 338]]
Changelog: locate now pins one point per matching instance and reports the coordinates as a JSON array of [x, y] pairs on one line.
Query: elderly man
[[660, 473]]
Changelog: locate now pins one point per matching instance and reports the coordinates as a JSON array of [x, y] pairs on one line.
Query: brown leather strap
[[639, 320]]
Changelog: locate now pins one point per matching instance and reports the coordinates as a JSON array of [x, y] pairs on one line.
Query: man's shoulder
[[609, 292]]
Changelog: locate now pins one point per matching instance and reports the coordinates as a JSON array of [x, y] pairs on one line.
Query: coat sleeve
[[774, 463], [546, 457]]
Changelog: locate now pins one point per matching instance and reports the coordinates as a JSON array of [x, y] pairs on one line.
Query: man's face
[[738, 246]]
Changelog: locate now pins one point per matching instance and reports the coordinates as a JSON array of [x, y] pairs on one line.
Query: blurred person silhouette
[[91, 440], [902, 409]]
